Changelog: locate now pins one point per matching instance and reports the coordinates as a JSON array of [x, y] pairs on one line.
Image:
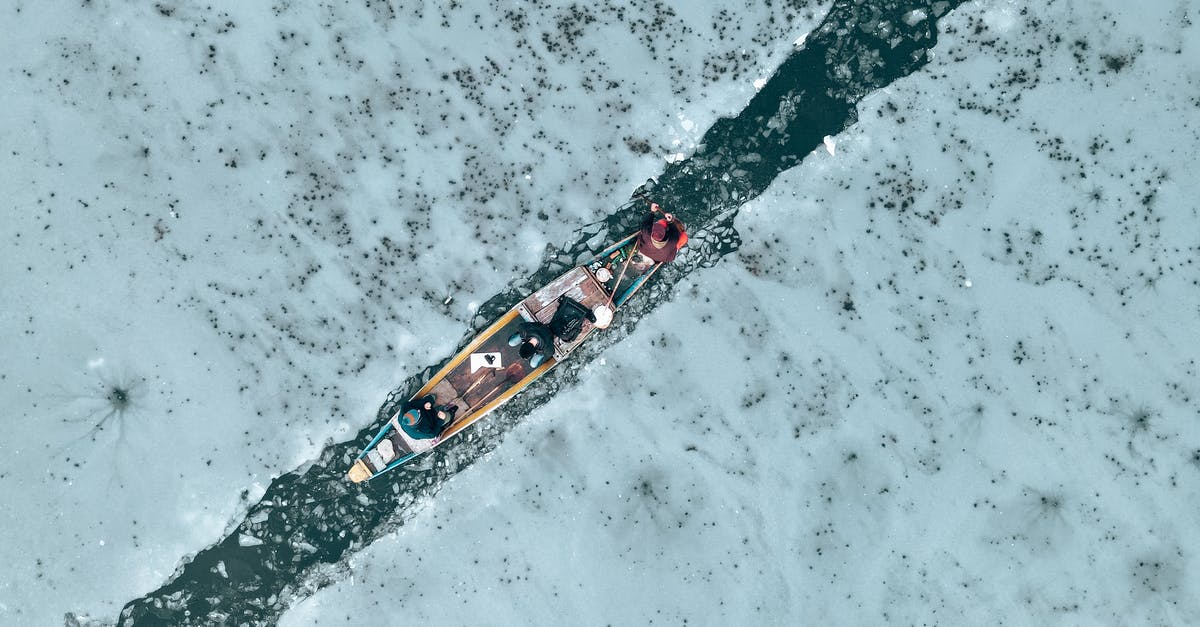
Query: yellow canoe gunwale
[[471, 419], [466, 352], [465, 421]]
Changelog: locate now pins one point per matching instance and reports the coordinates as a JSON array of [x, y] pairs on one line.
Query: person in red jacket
[[661, 237]]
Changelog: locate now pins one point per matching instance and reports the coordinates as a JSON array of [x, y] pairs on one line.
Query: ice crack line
[[294, 541]]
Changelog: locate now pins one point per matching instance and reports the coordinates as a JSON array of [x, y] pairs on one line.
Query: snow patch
[[1001, 19], [830, 146]]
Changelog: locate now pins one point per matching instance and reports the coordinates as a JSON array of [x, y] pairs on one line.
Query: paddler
[[537, 343], [424, 420], [661, 236]]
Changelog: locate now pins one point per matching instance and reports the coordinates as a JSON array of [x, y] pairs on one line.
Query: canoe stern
[[359, 472]]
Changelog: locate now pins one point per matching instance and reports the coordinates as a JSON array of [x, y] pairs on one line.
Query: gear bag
[[568, 319]]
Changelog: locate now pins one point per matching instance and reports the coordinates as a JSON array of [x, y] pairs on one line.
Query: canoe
[[489, 371]]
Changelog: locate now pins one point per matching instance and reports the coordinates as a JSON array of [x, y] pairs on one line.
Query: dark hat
[[658, 232]]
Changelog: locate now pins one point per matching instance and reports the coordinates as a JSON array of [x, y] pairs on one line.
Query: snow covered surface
[[966, 371]]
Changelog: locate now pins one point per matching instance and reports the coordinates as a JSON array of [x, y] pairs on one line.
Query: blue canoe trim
[[634, 286], [386, 427], [394, 464], [611, 249], [370, 447]]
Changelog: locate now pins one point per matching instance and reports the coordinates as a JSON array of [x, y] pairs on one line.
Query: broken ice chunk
[[248, 540], [914, 17]]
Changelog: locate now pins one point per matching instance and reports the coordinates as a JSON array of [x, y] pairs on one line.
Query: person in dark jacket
[[661, 236], [537, 343], [424, 420]]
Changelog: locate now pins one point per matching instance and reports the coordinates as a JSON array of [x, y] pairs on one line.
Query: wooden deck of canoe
[[488, 372]]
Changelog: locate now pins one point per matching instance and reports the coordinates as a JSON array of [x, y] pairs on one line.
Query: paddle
[[512, 374]]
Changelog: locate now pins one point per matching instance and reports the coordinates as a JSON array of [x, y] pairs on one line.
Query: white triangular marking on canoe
[[485, 360]]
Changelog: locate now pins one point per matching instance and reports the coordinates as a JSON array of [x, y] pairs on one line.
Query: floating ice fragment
[[248, 540], [829, 145], [914, 17], [221, 569], [304, 546]]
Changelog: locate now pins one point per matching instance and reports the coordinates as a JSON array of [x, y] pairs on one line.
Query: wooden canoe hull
[[488, 371]]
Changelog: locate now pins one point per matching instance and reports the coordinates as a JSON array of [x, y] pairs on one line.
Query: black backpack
[[568, 319]]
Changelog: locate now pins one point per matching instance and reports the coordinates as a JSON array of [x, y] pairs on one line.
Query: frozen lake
[[938, 367]]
